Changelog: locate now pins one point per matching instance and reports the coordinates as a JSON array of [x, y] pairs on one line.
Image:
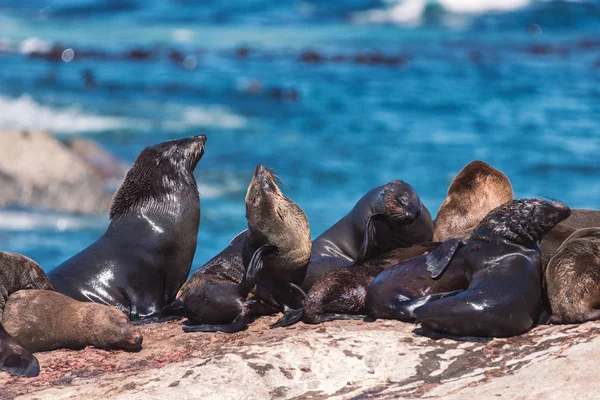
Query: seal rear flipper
[[290, 317], [14, 359], [156, 320], [256, 265], [438, 259], [240, 323], [368, 249], [403, 310], [319, 318]]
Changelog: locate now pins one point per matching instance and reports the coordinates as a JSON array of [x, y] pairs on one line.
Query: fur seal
[[18, 272], [573, 278], [146, 254], [273, 254], [583, 218], [397, 291], [340, 294], [503, 266], [386, 218], [43, 320], [475, 191], [552, 241]]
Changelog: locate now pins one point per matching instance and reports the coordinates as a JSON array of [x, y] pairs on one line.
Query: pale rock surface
[[338, 360]]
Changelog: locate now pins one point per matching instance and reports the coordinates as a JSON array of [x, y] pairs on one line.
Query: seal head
[[475, 191]]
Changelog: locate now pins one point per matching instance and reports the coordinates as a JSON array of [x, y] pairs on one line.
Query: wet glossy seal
[[475, 191], [573, 278], [146, 254], [340, 294], [396, 292], [503, 265], [386, 218]]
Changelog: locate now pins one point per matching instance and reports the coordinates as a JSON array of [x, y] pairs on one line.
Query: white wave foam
[[228, 184], [26, 113], [214, 116], [23, 221], [35, 45], [183, 35], [410, 12]]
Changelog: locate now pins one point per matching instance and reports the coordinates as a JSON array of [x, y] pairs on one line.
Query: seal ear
[[256, 265], [14, 359], [369, 244], [438, 259]]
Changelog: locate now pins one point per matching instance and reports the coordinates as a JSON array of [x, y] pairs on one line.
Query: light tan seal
[[18, 272], [475, 191], [43, 320], [573, 278]]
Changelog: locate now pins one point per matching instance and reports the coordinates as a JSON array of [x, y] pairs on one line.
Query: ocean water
[[336, 96]]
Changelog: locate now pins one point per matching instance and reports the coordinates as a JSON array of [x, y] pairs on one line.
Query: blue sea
[[336, 96]]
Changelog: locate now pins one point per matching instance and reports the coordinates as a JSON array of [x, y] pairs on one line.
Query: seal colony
[[488, 265]]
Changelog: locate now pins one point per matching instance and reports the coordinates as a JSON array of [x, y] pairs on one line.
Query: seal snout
[[136, 343], [265, 180], [562, 209]]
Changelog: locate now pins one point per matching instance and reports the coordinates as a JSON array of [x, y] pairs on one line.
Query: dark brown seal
[[146, 253], [273, 253], [504, 269], [18, 272], [396, 292], [43, 320], [573, 278], [386, 218], [340, 294], [475, 191]]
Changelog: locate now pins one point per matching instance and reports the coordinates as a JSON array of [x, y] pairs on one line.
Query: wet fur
[[475, 191], [342, 292], [144, 257], [503, 266], [398, 290], [402, 221], [216, 295]]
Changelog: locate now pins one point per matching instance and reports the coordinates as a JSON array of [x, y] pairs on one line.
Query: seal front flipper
[[438, 259], [256, 264], [403, 309], [240, 323], [292, 315], [14, 359], [368, 249]]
